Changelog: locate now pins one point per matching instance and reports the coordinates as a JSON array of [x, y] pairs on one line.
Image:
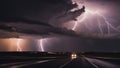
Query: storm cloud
[[50, 19]]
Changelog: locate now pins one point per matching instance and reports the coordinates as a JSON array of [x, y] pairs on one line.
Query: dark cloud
[[22, 20], [68, 16], [34, 13], [15, 29], [30, 27], [34, 9], [6, 34]]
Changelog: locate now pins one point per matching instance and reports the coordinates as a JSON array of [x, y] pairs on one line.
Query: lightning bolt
[[41, 45], [87, 11], [18, 44], [80, 20], [100, 27], [108, 24], [85, 16]]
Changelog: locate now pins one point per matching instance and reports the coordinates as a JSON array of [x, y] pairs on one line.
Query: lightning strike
[[109, 26], [41, 45], [79, 20], [18, 44], [84, 17], [100, 27]]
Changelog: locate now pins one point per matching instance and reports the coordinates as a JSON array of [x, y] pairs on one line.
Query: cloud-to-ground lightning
[[18, 44], [41, 48]]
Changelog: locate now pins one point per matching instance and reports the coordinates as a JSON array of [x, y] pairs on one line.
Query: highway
[[79, 62]]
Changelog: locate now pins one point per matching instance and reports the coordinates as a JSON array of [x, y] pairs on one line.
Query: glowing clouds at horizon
[[16, 44], [18, 41]]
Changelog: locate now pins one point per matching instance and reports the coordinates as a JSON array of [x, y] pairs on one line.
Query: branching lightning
[[108, 23], [84, 17], [109, 26], [100, 27]]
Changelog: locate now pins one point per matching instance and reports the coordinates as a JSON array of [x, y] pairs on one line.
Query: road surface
[[79, 62]]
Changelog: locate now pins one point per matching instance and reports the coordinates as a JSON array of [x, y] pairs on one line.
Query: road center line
[[37, 62], [65, 64]]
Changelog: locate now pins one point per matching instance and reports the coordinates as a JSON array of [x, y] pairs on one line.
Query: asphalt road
[[80, 62]]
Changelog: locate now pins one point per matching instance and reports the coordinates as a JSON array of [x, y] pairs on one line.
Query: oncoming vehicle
[[73, 56]]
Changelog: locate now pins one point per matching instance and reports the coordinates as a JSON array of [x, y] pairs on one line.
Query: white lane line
[[8, 64], [103, 63], [37, 62], [107, 58], [65, 64], [18, 63], [91, 62]]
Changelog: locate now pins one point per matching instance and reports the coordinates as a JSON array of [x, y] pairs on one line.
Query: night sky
[[62, 25]]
